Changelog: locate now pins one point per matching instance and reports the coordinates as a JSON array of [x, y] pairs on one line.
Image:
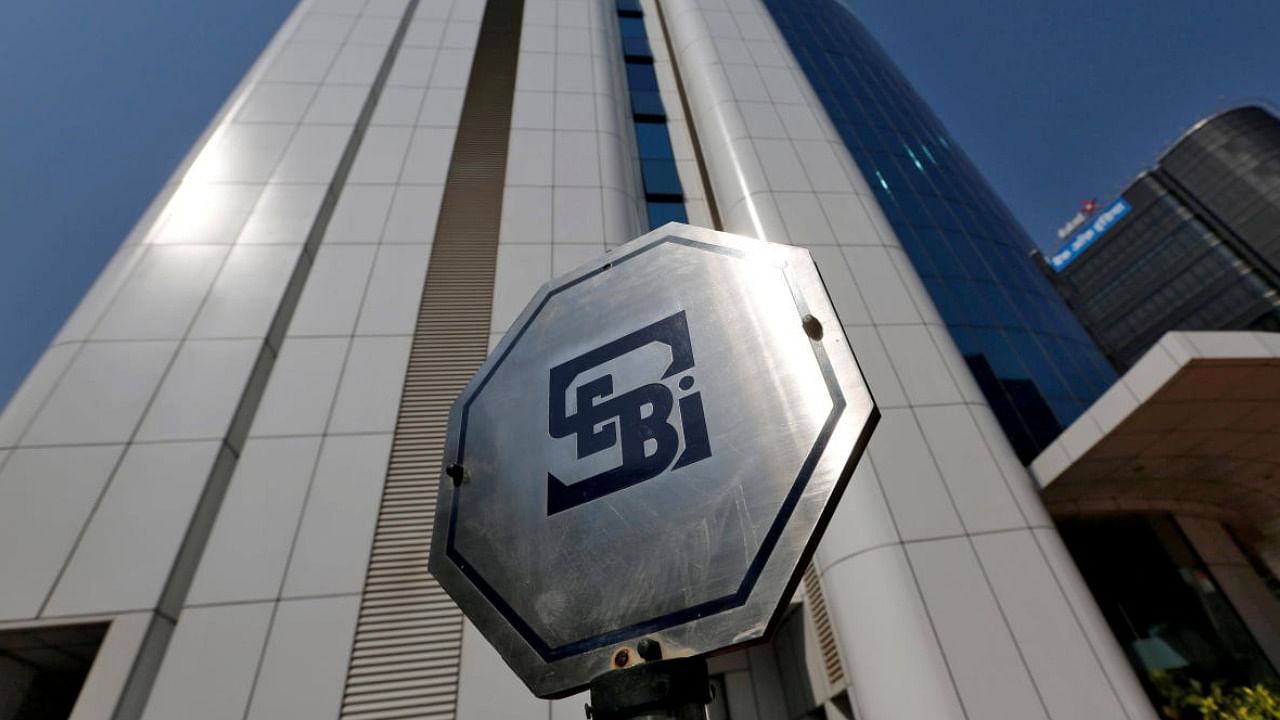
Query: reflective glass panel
[[647, 104], [632, 27], [654, 141], [635, 48], [660, 178], [661, 213], [966, 246], [640, 76]]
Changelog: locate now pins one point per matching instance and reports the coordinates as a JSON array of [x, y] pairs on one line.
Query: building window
[[42, 670], [1175, 624], [663, 194], [1037, 367], [661, 213]]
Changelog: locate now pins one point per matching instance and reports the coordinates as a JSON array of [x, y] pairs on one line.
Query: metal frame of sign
[[749, 613]]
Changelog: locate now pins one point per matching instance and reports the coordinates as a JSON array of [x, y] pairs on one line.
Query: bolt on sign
[[649, 456]]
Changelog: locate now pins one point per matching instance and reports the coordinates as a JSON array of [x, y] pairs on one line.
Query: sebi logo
[[627, 411]]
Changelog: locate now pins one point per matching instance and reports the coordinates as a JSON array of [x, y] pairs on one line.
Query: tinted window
[[1038, 375], [664, 196], [661, 213]]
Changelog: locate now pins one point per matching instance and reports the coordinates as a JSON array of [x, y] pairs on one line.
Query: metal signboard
[[1083, 239], [651, 454]]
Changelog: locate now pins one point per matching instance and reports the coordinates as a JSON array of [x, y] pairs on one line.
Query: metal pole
[[688, 712], [675, 689]]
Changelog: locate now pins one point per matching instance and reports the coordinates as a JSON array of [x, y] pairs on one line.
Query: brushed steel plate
[[651, 451]]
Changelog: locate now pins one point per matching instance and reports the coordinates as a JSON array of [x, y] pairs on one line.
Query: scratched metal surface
[[699, 557]]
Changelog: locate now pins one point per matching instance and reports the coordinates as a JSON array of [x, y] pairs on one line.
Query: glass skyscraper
[[1037, 367]]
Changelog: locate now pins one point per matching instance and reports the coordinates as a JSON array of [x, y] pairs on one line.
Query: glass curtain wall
[[1162, 269], [1230, 164], [1037, 367], [663, 195]]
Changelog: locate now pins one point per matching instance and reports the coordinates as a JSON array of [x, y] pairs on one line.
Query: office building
[[1192, 244], [1162, 488], [1164, 493], [216, 487], [1037, 368]]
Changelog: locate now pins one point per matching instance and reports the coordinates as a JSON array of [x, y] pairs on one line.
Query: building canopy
[[1193, 427]]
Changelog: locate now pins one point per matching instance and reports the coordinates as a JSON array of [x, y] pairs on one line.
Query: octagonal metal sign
[[650, 452]]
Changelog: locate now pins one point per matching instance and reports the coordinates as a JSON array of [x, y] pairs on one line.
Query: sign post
[[638, 474], [676, 688]]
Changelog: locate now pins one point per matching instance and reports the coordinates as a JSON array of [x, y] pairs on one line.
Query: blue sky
[[99, 101], [1058, 101], [1054, 101]]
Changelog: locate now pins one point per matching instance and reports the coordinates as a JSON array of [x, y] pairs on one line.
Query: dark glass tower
[[1197, 246], [1036, 365], [1228, 170]]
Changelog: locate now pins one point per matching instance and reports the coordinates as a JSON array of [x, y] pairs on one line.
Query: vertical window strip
[[406, 656], [663, 194]]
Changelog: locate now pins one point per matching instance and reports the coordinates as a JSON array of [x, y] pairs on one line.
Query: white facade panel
[[331, 551], [163, 293], [382, 154], [1016, 477], [982, 499], [398, 107], [372, 380], [889, 645], [521, 270], [206, 374], [887, 297], [278, 102], [921, 505], [102, 395], [298, 398], [579, 216], [206, 214], [864, 519], [96, 301], [1063, 663], [973, 633], [212, 660], [488, 689], [920, 366], [874, 362], [360, 214], [305, 662], [243, 152], [525, 216], [412, 218], [1112, 658], [253, 537], [427, 159], [30, 397], [129, 545], [330, 304], [283, 215], [390, 306], [46, 495]]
